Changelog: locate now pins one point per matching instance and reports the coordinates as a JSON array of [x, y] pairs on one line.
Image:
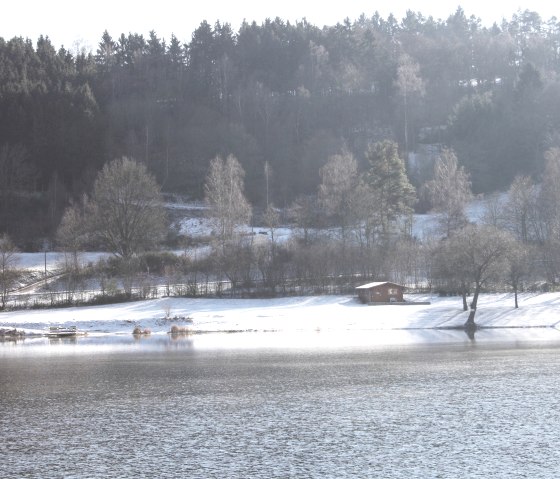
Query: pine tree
[[392, 194]]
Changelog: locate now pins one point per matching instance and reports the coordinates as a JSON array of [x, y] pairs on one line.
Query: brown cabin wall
[[380, 294]]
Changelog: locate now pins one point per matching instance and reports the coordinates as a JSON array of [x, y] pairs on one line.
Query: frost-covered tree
[[126, 208], [73, 234], [338, 189], [548, 224], [550, 195], [450, 192], [124, 214], [8, 261], [521, 209], [224, 194]]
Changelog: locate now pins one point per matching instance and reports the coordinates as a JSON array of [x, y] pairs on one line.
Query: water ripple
[[410, 412]]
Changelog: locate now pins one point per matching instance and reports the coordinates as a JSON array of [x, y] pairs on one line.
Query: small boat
[[62, 331]]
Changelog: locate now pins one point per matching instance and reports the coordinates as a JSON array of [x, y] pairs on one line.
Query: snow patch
[[297, 314]]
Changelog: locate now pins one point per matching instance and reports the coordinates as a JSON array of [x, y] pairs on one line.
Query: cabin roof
[[375, 284]]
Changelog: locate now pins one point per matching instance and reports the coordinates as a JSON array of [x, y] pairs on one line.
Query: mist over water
[[458, 409]]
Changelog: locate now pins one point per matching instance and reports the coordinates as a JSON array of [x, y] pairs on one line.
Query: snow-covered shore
[[303, 314]]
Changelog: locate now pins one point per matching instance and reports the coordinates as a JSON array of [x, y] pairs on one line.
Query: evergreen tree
[[392, 194]]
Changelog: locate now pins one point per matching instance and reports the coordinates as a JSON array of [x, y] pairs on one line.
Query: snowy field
[[335, 314], [53, 260]]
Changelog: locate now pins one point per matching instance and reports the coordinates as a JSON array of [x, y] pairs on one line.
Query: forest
[[282, 98]]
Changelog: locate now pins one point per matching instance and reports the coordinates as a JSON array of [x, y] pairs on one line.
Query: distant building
[[381, 292]]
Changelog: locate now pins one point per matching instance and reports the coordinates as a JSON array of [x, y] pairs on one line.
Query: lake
[[250, 406]]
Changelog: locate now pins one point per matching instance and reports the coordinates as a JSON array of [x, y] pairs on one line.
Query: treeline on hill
[[283, 95]]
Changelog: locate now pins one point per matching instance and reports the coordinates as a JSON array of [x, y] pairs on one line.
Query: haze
[[66, 23]]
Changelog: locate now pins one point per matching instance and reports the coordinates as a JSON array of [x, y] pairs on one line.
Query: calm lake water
[[158, 408]]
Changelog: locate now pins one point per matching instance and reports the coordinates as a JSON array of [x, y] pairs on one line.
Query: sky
[[81, 24]]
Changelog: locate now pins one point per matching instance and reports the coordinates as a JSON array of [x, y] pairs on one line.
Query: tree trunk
[[465, 305], [470, 325], [515, 295], [474, 302]]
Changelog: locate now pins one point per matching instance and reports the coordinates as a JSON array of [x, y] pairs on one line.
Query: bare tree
[[8, 261], [234, 260], [494, 210], [407, 262], [72, 233], [126, 208], [548, 214], [224, 195], [271, 219], [409, 84], [518, 256], [478, 255], [266, 253], [305, 213], [125, 213], [550, 194], [449, 270], [267, 175], [450, 192], [337, 191], [521, 209]]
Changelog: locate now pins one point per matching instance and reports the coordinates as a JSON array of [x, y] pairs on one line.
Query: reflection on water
[[318, 340], [241, 406], [93, 344]]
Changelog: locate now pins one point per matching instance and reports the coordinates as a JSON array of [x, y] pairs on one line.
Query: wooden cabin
[[381, 292]]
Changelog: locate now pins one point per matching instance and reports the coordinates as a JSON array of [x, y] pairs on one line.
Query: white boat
[[62, 331]]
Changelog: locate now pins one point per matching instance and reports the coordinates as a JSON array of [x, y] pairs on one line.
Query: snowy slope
[[323, 313]]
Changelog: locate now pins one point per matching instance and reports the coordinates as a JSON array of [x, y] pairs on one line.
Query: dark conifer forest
[[283, 95]]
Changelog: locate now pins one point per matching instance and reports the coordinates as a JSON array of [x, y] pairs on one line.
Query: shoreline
[[300, 343], [21, 334], [292, 314]]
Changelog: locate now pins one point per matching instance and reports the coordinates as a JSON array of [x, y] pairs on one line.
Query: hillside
[[281, 97]]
